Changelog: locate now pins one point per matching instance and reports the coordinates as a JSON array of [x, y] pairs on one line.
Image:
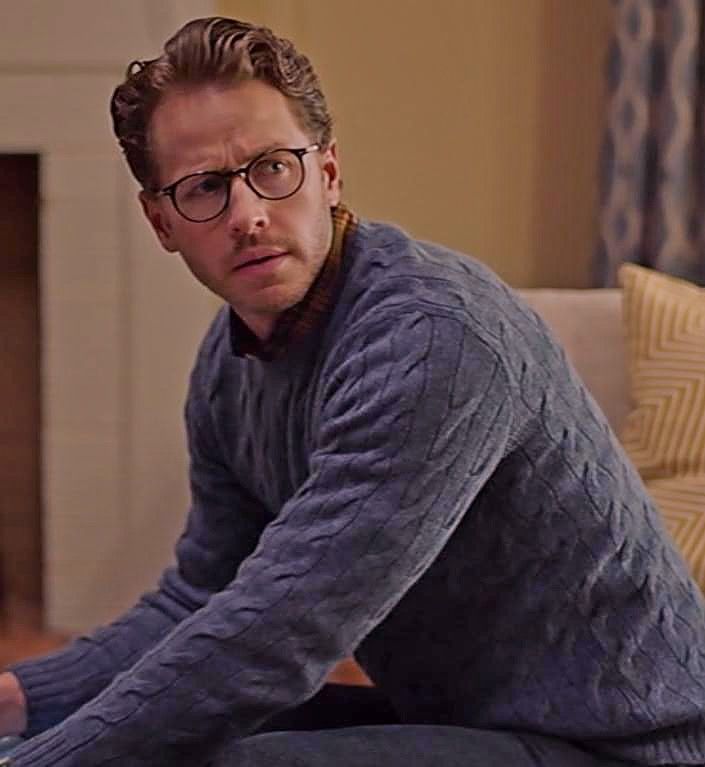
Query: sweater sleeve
[[413, 418], [215, 542]]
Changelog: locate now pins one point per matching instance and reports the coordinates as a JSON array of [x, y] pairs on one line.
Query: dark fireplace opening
[[20, 493]]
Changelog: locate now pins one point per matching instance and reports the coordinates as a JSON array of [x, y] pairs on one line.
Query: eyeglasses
[[273, 175]]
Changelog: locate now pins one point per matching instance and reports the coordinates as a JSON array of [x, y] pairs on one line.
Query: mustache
[[253, 241]]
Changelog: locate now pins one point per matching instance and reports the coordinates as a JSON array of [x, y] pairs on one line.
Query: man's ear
[[154, 213], [331, 173]]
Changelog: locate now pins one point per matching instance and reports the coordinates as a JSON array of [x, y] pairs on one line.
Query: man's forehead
[[189, 124]]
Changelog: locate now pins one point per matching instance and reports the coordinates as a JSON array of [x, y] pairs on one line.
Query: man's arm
[[55, 685], [392, 472], [222, 529]]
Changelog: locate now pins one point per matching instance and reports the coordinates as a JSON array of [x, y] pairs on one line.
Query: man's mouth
[[256, 261], [259, 256]]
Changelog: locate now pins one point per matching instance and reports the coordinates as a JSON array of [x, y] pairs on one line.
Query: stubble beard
[[306, 257]]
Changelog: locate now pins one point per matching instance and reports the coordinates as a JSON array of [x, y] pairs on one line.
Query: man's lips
[[256, 255]]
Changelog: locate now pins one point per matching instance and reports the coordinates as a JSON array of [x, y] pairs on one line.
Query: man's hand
[[13, 705]]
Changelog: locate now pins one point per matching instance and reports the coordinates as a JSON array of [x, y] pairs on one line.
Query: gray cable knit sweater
[[425, 482]]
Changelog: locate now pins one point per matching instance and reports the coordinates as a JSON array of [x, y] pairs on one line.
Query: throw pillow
[[664, 434]]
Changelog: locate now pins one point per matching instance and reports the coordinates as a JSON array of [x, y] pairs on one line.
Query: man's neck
[[262, 325]]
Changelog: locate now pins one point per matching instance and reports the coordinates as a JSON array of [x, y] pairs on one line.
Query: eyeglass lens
[[273, 176]]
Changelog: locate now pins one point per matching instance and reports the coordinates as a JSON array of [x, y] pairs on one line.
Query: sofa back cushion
[[588, 324]]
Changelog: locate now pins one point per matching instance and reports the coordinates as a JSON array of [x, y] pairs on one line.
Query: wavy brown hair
[[211, 51]]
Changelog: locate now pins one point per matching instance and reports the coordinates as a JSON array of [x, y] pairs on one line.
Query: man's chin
[[273, 303]]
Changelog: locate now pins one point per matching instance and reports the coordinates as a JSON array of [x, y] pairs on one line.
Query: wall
[[470, 122], [119, 319]]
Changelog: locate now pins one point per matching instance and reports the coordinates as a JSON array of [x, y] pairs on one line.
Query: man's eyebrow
[[269, 147]]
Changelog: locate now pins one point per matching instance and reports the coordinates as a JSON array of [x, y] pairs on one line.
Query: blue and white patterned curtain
[[652, 195]]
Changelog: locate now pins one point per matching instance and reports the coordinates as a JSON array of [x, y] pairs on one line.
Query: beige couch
[[588, 323], [655, 328]]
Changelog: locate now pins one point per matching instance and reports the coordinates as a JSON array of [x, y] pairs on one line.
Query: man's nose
[[247, 211]]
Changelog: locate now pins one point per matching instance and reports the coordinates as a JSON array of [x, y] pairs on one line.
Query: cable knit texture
[[425, 482]]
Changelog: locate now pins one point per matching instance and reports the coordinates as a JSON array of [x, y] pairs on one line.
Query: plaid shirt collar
[[295, 323]]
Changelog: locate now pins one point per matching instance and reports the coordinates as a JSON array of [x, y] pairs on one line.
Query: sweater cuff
[[45, 750], [54, 687], [58, 684]]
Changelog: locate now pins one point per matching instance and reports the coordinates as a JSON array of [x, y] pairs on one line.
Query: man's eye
[[203, 186], [274, 167], [209, 184]]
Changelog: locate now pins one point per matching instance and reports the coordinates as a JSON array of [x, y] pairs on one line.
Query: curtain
[[652, 166]]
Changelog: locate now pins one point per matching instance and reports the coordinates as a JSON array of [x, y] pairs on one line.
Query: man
[[389, 457]]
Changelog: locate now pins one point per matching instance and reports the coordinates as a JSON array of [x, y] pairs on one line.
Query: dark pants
[[356, 727]]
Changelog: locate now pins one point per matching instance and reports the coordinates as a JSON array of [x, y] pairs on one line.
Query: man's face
[[261, 256]]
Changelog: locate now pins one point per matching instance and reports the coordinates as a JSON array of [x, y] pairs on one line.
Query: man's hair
[[213, 51]]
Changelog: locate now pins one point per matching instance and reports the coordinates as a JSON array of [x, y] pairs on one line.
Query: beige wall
[[472, 122]]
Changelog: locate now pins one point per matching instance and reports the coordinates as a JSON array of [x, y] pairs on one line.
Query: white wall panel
[[119, 319]]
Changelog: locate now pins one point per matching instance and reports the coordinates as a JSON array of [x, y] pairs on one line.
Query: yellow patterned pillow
[[665, 432], [682, 503]]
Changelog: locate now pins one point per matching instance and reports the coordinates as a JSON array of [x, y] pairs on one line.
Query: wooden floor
[[20, 643], [21, 632]]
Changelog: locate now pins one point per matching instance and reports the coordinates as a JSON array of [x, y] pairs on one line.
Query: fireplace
[[118, 321], [20, 514]]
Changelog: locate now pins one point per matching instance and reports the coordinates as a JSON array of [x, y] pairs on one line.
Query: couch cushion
[[682, 503], [665, 323], [588, 324], [664, 433]]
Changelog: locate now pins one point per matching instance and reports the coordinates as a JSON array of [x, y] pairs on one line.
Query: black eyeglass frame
[[244, 171]]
